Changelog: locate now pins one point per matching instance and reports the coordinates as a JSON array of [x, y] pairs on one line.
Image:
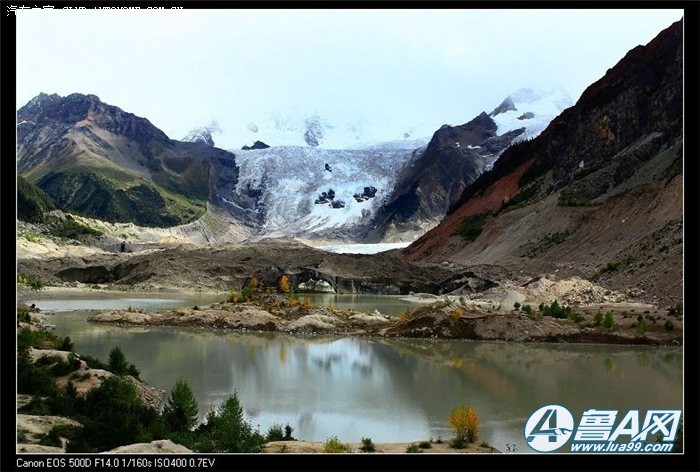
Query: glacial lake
[[391, 390]]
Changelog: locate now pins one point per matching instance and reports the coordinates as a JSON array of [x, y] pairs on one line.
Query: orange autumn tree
[[284, 284], [254, 284], [465, 422]]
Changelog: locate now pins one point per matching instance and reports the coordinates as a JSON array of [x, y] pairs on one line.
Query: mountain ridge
[[598, 193]]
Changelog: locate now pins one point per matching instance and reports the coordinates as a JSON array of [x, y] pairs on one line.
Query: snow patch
[[363, 248]]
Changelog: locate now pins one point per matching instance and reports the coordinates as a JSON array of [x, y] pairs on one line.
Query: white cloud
[[182, 69]]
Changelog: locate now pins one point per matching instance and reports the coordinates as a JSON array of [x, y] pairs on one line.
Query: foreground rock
[[32, 428], [444, 319], [161, 446]]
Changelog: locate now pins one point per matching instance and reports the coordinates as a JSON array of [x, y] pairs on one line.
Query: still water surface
[[388, 389]]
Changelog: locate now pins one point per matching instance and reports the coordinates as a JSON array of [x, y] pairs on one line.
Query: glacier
[[290, 178]]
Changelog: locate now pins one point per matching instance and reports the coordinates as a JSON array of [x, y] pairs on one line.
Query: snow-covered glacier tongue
[[315, 192]]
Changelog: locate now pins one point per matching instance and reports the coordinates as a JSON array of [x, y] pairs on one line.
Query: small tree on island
[[180, 413]]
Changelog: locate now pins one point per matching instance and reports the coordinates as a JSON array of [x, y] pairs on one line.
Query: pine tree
[[117, 361], [180, 413]]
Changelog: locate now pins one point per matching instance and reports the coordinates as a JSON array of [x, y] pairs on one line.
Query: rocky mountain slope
[[96, 160], [598, 193], [455, 157]]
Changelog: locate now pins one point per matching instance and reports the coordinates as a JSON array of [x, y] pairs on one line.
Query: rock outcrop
[[256, 145], [161, 446]]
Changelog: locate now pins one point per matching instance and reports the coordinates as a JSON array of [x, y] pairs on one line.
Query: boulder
[[161, 446]]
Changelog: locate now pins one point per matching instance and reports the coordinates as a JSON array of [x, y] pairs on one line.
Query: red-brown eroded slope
[[489, 200]]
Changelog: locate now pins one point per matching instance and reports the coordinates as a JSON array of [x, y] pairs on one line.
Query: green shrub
[[608, 321], [71, 229], [413, 448], [31, 378], [669, 325], [425, 445], [333, 445], [641, 326], [471, 226], [23, 315], [93, 362], [61, 367], [573, 200], [67, 431], [676, 310], [522, 198], [275, 433], [40, 339], [610, 267], [528, 309], [556, 311], [367, 445], [51, 439], [66, 344], [516, 305], [598, 318]]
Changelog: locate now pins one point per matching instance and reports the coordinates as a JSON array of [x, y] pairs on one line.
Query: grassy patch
[[523, 198], [367, 445], [546, 242], [34, 283], [413, 448], [574, 200], [69, 228], [41, 340], [32, 202], [333, 445], [471, 226], [116, 196]]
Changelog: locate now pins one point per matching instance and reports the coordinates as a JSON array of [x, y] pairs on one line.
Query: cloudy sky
[[393, 68]]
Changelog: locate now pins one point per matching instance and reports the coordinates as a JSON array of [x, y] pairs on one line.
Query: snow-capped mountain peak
[[203, 134], [530, 108]]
